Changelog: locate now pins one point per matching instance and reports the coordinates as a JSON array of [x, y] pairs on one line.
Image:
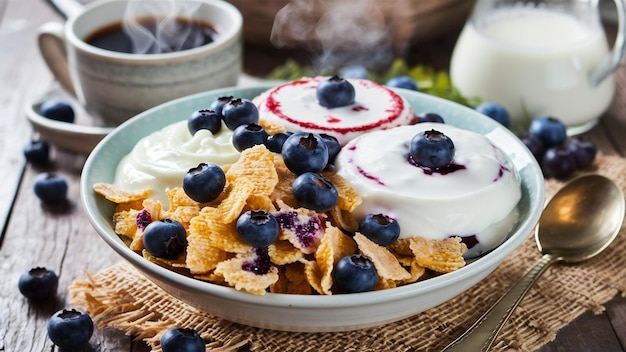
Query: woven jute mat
[[122, 298]]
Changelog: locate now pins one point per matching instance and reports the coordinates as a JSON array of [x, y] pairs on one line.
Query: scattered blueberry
[[495, 111], [335, 92], [315, 192], [558, 162], [355, 273], [354, 71], [37, 151], [333, 147], [70, 329], [219, 103], [239, 112], [380, 228], [275, 142], [550, 130], [534, 144], [165, 238], [204, 183], [50, 188], [431, 149], [204, 119], [182, 340], [406, 82], [57, 109], [257, 228], [38, 283], [305, 152], [429, 117], [247, 136]]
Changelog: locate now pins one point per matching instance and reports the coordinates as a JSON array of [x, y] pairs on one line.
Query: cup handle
[[619, 48], [51, 40]]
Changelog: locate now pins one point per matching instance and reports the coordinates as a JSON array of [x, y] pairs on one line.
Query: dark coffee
[[153, 36]]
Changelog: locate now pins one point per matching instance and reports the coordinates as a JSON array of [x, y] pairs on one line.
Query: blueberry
[[549, 129], [495, 111], [558, 162], [275, 142], [37, 152], [50, 188], [70, 329], [406, 82], [165, 238], [333, 147], [219, 103], [429, 117], [355, 273], [354, 71], [257, 228], [305, 152], [204, 119], [239, 112], [57, 109], [38, 283], [247, 136], [431, 149], [204, 183], [583, 150], [335, 92], [534, 144], [182, 340], [380, 229], [314, 192]]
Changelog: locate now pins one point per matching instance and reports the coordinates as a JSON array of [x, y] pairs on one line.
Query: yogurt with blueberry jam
[[473, 196], [301, 105]]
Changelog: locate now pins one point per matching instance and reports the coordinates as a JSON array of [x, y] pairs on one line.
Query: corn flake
[[441, 256]]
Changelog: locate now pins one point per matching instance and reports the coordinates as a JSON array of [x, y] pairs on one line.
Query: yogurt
[[476, 198], [160, 160], [295, 106]]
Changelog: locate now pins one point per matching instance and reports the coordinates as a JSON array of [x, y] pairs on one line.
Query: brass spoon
[[578, 223]]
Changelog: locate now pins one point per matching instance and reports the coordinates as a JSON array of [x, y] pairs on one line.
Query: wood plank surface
[[63, 240]]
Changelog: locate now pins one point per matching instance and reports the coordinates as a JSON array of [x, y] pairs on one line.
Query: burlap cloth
[[122, 298]]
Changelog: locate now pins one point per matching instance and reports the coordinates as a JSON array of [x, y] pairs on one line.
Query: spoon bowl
[[578, 223], [581, 220]]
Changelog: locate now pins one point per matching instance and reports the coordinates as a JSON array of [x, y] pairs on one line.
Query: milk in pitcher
[[534, 61]]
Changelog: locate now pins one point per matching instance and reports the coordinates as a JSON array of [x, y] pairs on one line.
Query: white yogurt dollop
[[160, 160], [476, 199]]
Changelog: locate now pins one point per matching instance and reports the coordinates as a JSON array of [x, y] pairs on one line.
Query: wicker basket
[[297, 23]]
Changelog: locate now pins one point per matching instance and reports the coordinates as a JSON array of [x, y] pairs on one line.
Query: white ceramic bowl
[[302, 312]]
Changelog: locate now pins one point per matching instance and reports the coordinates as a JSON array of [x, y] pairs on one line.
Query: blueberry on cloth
[[182, 340], [549, 129], [37, 151]]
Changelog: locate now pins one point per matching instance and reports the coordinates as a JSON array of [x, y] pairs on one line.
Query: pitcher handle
[[619, 48]]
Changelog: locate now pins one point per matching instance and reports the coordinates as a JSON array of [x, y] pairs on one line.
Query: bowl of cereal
[[295, 281]]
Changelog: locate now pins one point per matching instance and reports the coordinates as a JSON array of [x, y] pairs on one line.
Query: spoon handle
[[483, 332]]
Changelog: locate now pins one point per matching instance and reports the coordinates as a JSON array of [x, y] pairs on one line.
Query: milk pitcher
[[539, 58]]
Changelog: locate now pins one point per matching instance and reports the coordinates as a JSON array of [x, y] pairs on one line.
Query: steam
[[168, 35], [340, 33]]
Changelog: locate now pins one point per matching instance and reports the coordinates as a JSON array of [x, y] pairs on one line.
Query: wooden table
[[63, 240]]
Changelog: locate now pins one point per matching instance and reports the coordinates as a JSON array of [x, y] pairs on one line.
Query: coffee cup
[[169, 49]]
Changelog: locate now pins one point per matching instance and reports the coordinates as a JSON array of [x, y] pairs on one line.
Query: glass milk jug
[[539, 58]]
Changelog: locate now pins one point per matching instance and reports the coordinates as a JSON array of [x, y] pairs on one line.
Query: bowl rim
[[491, 259]]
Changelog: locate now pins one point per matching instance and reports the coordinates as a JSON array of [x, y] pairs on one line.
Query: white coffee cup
[[114, 86]]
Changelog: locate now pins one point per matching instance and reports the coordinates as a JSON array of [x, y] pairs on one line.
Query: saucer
[[80, 136]]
